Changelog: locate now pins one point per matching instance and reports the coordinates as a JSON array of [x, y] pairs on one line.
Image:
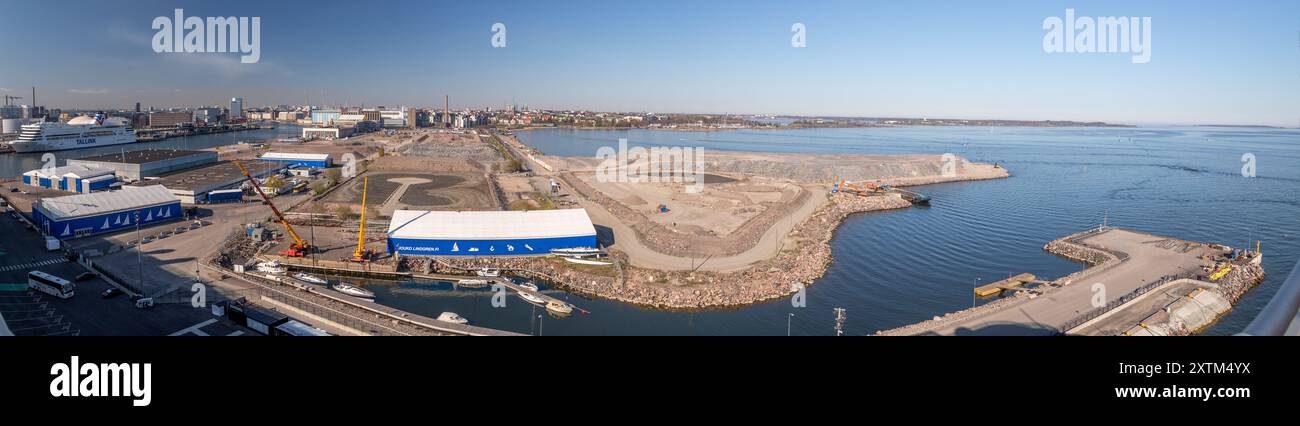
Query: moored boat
[[559, 308], [80, 132], [586, 262], [532, 297], [272, 267], [453, 318], [578, 252], [472, 283], [308, 278], [353, 291]]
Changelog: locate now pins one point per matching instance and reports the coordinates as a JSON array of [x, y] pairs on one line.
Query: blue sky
[[1212, 61]]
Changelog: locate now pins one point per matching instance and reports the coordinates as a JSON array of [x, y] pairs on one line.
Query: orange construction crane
[[299, 248], [362, 255]]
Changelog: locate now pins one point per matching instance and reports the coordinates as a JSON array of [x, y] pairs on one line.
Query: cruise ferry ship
[[80, 132]]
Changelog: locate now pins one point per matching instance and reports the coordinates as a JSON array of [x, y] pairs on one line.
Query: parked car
[[86, 276], [145, 303], [110, 293]]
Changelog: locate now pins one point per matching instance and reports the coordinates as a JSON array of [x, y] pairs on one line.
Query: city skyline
[[1232, 65]]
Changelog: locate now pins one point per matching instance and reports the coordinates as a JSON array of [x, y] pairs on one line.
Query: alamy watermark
[[498, 35], [652, 165], [1099, 35], [180, 34]]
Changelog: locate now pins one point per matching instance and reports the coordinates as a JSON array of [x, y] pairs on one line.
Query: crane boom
[[298, 243], [361, 237]]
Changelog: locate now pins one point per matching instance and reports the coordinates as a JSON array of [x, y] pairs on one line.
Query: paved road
[[1149, 306], [1147, 263]]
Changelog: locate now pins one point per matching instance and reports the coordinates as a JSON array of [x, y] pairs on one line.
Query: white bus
[[51, 285]]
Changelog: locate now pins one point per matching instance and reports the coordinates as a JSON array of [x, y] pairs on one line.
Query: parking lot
[[30, 313]]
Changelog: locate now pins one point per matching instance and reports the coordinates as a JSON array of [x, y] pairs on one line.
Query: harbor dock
[[1137, 284], [1013, 284]]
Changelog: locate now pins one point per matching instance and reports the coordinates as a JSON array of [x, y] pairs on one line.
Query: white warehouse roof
[[490, 225], [128, 198], [294, 156], [76, 170]]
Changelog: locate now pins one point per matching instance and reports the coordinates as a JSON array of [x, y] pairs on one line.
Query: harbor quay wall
[[1099, 260]]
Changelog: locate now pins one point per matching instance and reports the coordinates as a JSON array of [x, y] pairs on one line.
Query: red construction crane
[[299, 248]]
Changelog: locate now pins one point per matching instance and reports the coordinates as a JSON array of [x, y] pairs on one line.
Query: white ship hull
[[66, 144], [80, 133]]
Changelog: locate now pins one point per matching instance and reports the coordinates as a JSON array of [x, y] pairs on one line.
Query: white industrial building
[[394, 118], [72, 178], [319, 161], [489, 233], [326, 133], [77, 216]]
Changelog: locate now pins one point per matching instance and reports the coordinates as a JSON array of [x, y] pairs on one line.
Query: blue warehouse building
[[319, 161], [489, 233], [78, 216], [72, 178]]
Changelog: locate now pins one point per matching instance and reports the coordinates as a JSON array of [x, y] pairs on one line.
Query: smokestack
[[34, 97], [446, 110]]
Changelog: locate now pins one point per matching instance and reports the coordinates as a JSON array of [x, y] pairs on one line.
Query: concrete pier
[[1116, 295]]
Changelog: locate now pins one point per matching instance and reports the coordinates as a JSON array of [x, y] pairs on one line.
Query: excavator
[[868, 189], [363, 254], [298, 248]]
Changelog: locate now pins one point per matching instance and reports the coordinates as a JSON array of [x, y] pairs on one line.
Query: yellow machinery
[[1221, 273], [362, 255], [299, 248]]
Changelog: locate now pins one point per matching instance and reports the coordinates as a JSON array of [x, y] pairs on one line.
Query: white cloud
[[227, 66], [140, 37]]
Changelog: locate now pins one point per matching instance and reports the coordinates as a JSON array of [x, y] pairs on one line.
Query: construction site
[[757, 224], [755, 227], [747, 195]]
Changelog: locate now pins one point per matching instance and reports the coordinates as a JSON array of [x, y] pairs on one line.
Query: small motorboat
[[578, 252], [272, 267], [559, 308], [532, 297], [489, 273], [353, 291], [472, 283], [530, 286], [586, 262], [310, 279], [453, 318]]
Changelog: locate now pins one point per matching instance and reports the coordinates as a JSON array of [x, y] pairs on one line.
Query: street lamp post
[[139, 258]]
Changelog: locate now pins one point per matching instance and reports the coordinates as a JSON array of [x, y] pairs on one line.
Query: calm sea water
[[16, 164], [899, 267]]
